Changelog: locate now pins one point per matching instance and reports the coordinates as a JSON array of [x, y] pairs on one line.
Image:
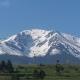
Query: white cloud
[[4, 3]]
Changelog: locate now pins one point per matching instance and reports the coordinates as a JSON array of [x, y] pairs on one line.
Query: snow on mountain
[[40, 43]]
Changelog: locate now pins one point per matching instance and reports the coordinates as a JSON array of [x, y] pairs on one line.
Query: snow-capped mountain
[[45, 46]]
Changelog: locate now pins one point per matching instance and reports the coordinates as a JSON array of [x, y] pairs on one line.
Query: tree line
[[6, 66]]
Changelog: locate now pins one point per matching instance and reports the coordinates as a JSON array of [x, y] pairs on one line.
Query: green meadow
[[42, 72]]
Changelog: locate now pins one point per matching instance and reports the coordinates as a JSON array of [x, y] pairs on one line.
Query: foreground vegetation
[[38, 72]]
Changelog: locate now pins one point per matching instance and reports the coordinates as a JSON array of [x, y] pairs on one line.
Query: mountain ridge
[[40, 43]]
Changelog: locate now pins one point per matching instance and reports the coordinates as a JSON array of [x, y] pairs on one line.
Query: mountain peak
[[40, 42]]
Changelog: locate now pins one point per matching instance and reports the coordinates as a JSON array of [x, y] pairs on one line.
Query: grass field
[[25, 72]]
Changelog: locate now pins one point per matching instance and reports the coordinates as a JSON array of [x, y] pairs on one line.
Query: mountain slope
[[43, 45]]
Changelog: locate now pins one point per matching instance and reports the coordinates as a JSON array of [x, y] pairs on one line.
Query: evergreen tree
[[9, 66], [39, 74], [42, 74], [3, 66], [59, 68]]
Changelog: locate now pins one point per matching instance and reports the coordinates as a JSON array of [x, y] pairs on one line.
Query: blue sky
[[18, 15]]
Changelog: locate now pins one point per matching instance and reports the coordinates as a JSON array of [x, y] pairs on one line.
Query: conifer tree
[[9, 66], [3, 66]]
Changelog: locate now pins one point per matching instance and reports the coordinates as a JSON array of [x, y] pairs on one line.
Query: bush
[[59, 68], [39, 74]]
